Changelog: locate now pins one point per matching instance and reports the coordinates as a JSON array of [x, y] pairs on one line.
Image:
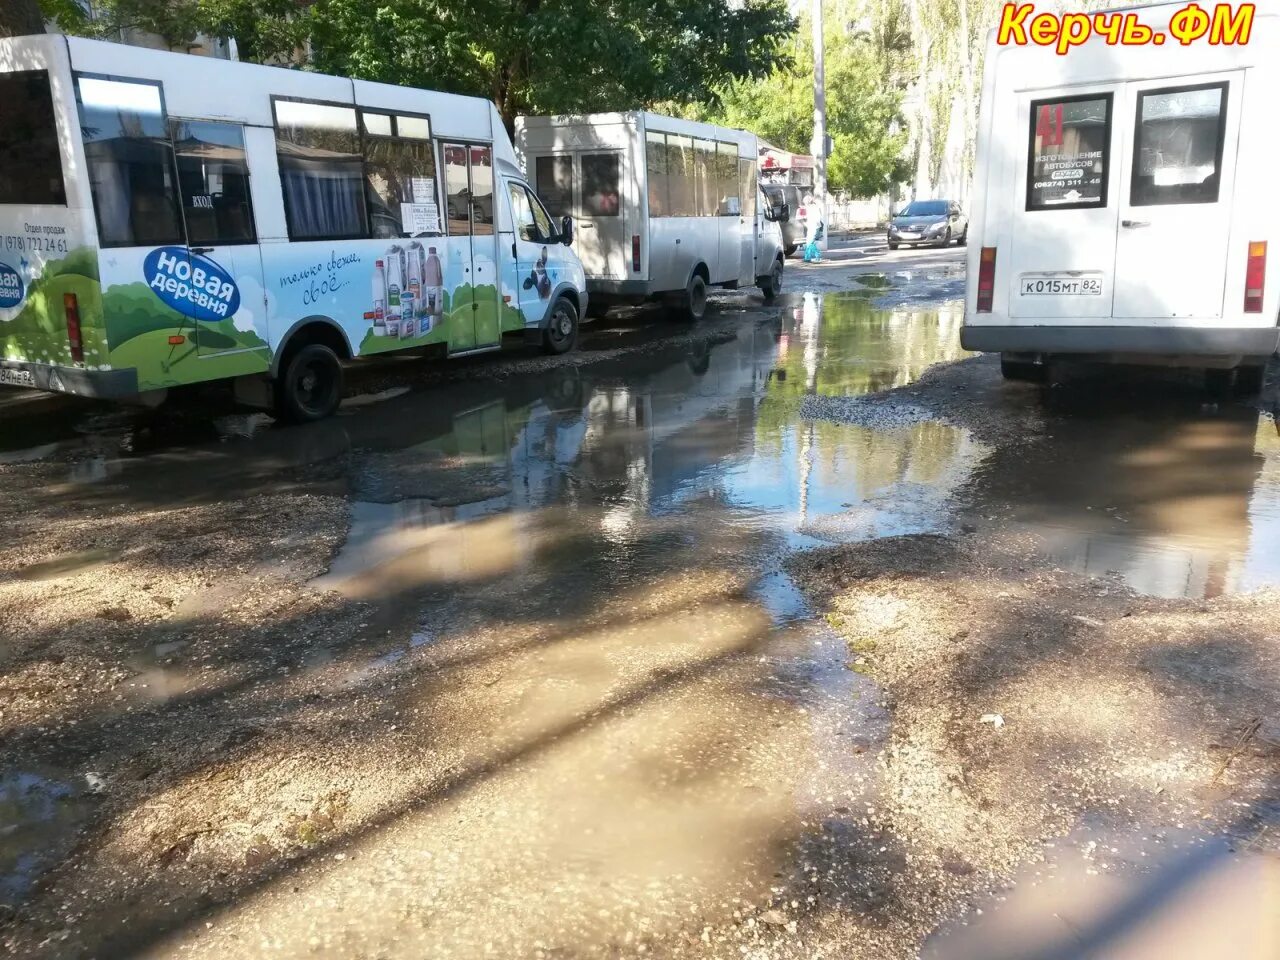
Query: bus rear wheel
[[561, 334], [691, 305], [310, 386], [1023, 370]]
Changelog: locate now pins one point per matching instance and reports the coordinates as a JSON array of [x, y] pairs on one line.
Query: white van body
[[193, 219], [657, 201], [1123, 190]]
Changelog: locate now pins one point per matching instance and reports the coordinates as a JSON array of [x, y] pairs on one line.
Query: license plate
[[17, 378], [1061, 287], [908, 236]]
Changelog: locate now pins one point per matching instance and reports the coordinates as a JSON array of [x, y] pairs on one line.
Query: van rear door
[[1062, 253], [1177, 184]]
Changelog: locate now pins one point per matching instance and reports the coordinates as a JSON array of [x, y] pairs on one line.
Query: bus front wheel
[[561, 334], [310, 386]]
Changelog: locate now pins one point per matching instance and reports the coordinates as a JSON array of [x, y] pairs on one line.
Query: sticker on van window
[[192, 284], [12, 289], [1070, 144]]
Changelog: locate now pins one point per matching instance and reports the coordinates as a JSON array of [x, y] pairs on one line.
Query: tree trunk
[[922, 181], [20, 18]]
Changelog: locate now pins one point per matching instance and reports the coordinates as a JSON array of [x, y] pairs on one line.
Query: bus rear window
[[30, 163], [1070, 152]]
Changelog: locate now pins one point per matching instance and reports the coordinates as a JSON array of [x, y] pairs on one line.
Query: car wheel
[[310, 387], [946, 238], [771, 284], [963, 239], [892, 245], [691, 305], [561, 333], [790, 251]]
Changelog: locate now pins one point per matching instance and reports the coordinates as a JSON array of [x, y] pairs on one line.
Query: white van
[[664, 208], [1121, 207], [168, 219]]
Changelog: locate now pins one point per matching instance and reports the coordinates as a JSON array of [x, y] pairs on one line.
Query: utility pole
[[819, 145]]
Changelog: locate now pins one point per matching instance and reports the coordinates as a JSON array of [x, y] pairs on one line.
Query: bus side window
[[213, 178], [1177, 156], [130, 158], [400, 172], [321, 171], [30, 161]]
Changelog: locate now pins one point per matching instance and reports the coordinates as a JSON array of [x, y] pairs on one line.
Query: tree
[[552, 56], [862, 106], [20, 18]]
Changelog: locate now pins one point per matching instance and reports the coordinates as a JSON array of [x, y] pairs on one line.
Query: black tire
[[309, 386], [892, 245], [1022, 370], [691, 305], [946, 240], [1249, 381], [561, 333], [791, 249], [963, 239], [771, 284]]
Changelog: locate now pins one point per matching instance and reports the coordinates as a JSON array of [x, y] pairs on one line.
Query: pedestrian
[[817, 229]]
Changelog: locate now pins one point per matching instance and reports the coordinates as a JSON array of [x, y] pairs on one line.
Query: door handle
[[587, 226], [1134, 224], [200, 250]]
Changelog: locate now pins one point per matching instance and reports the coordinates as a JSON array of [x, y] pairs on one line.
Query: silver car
[[935, 222]]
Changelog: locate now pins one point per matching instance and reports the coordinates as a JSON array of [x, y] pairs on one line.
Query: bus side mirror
[[566, 230]]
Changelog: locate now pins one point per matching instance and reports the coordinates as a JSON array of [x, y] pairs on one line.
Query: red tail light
[[1255, 278], [72, 309], [635, 253], [986, 279]]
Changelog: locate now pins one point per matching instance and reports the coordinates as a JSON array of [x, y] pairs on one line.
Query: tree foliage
[[536, 56], [863, 106], [552, 56]]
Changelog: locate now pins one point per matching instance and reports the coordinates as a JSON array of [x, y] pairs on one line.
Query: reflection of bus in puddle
[[1175, 504]]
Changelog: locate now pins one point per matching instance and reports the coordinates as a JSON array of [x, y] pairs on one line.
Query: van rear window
[[1070, 152], [30, 164]]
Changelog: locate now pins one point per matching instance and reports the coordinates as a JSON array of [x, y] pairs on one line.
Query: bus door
[[1176, 182], [601, 240], [474, 313], [748, 194], [229, 303], [1062, 238]]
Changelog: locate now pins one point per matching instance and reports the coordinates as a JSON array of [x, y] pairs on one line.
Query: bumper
[[619, 288], [102, 384], [1156, 341]]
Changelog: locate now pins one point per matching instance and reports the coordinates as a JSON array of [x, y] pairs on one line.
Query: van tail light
[[72, 309], [986, 279], [1255, 276], [635, 253]]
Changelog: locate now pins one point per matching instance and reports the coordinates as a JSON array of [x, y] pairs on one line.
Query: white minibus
[[1121, 198], [664, 208], [167, 219]]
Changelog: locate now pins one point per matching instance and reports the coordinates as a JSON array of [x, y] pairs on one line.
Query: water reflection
[[1173, 500], [712, 435]]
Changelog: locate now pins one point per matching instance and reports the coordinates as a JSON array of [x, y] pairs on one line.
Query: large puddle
[[612, 537]]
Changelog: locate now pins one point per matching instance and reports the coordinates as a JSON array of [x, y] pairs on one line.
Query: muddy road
[[675, 647]]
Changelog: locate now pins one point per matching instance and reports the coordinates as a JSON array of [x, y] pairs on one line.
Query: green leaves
[[862, 109]]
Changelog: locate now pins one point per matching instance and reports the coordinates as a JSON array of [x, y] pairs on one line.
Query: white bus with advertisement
[[168, 220], [1120, 206], [664, 208]]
